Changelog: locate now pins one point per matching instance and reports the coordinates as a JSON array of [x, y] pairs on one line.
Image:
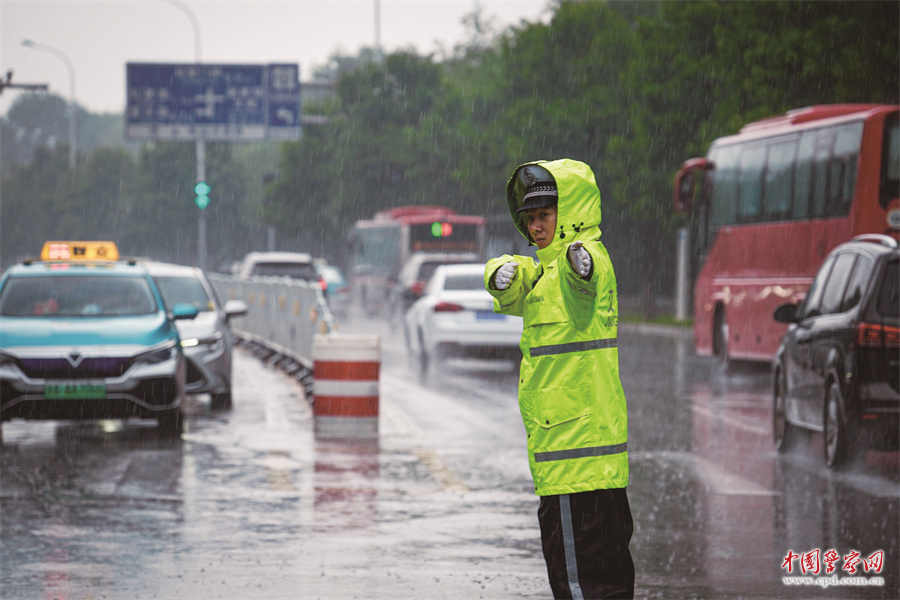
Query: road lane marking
[[277, 465], [719, 480], [705, 410], [447, 478]]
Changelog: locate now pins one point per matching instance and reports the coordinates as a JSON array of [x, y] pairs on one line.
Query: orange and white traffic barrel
[[345, 382]]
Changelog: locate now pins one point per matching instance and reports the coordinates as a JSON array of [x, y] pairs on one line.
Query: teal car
[[85, 336]]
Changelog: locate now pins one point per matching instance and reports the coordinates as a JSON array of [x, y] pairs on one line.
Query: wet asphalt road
[[249, 504]]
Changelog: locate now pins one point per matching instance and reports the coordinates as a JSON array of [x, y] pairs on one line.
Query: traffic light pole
[[201, 213]]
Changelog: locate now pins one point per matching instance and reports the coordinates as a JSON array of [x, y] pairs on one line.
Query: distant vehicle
[[206, 340], [769, 203], [838, 368], [336, 288], [456, 317], [416, 274], [380, 247], [298, 265], [84, 335]]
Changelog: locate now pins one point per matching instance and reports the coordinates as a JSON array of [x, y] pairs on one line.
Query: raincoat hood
[[578, 208]]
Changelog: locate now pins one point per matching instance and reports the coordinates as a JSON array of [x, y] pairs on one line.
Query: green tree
[[34, 196], [379, 151], [97, 206]]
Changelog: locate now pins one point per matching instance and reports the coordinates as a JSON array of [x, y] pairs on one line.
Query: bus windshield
[[376, 249], [382, 245]]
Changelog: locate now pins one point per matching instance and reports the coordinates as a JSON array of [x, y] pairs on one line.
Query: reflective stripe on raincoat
[[570, 395]]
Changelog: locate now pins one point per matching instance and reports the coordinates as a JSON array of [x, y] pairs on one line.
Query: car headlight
[[158, 354], [212, 343]]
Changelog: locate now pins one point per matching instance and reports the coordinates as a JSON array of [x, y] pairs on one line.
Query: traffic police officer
[[570, 395]]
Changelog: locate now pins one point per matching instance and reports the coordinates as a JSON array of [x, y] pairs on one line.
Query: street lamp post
[[62, 56], [201, 145]]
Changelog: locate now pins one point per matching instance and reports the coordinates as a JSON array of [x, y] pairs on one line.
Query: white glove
[[580, 259], [504, 275]]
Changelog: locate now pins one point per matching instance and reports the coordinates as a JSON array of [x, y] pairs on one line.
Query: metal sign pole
[[682, 275], [201, 213]]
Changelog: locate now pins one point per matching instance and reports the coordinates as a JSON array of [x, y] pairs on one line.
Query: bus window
[[820, 174], [724, 188], [842, 169], [779, 179], [803, 182], [890, 168], [750, 183]]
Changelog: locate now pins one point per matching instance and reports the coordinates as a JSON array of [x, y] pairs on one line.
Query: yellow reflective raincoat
[[570, 396]]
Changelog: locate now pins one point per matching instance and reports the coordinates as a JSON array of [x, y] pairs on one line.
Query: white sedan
[[455, 317]]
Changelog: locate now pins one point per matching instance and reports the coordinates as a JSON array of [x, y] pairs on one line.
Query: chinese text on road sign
[[231, 102]]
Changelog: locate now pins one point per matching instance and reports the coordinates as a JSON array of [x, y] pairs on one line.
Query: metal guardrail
[[283, 316]]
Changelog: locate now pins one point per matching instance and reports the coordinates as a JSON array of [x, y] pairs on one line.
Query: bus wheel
[[720, 336]]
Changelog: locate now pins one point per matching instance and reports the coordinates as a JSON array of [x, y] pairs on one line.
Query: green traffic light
[[202, 189], [441, 229]]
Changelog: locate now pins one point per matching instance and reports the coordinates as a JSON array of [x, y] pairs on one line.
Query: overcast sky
[[100, 36]]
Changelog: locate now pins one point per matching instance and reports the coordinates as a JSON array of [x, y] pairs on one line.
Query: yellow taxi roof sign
[[80, 251]]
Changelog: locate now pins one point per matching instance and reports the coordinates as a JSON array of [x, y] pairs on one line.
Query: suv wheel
[[837, 434], [784, 432]]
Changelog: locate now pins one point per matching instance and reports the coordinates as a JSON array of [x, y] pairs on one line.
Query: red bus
[[380, 246], [770, 202]]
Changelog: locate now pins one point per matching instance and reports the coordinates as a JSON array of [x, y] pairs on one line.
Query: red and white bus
[[767, 206], [380, 246]]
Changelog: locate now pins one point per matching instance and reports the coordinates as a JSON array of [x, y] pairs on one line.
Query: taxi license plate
[[489, 315], [75, 391]]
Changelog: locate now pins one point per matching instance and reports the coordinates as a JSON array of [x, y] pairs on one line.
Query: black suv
[[838, 368]]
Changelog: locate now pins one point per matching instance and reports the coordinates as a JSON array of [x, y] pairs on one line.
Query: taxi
[[85, 336]]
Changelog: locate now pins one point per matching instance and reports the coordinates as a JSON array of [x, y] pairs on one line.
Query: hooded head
[[568, 183]]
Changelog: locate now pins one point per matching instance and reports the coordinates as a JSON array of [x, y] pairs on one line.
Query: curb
[[673, 331]]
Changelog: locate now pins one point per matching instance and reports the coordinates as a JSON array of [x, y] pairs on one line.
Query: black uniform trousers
[[585, 537]]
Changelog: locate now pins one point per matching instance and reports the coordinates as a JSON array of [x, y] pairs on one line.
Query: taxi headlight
[[158, 354]]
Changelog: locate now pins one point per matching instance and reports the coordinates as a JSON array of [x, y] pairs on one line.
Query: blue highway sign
[[230, 102]]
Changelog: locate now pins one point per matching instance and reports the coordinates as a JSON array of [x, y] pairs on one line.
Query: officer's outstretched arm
[[508, 279], [581, 275]]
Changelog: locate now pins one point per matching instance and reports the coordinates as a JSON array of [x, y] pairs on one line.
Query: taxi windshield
[[76, 296], [187, 290]]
